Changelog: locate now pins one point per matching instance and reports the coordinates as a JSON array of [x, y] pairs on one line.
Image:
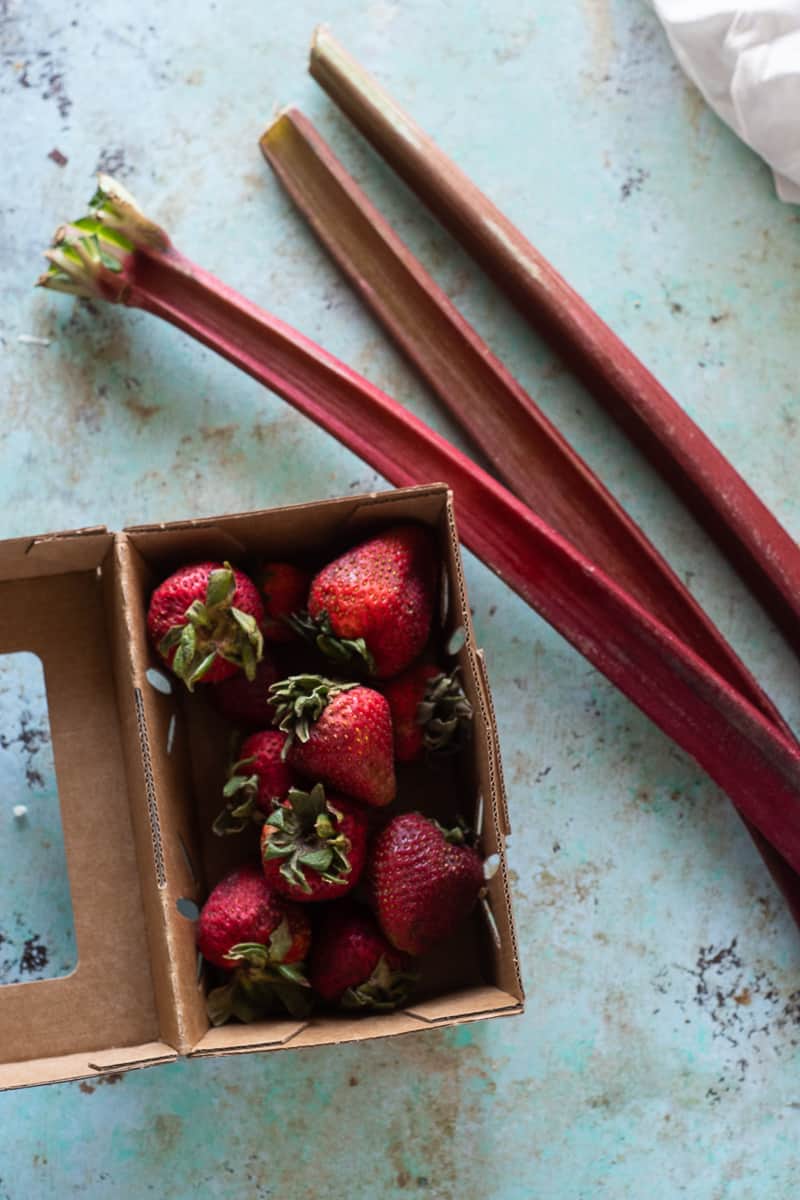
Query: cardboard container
[[139, 773]]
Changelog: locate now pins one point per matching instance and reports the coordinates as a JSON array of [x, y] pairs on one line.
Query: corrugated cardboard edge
[[147, 824], [502, 798], [43, 554], [362, 503], [497, 793], [87, 1065], [476, 1004]]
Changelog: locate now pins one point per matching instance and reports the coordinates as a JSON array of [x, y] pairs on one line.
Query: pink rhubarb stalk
[[760, 549], [117, 254], [525, 450]]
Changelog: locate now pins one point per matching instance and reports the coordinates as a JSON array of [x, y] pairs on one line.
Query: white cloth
[[746, 62]]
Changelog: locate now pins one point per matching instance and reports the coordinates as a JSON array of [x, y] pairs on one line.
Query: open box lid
[[101, 1017]]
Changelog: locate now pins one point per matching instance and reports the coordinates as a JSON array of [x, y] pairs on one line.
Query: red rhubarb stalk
[[767, 558], [525, 449], [117, 254], [532, 458]]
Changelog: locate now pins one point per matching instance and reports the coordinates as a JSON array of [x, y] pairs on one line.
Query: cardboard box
[[139, 774]]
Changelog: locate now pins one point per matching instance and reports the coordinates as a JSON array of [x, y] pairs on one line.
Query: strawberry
[[373, 605], [258, 780], [244, 908], [339, 733], [314, 847], [284, 590], [198, 629], [244, 701], [353, 966], [260, 938], [423, 879], [429, 712]]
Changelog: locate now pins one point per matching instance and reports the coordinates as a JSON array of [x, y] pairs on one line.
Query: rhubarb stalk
[[526, 450], [118, 255], [767, 558]]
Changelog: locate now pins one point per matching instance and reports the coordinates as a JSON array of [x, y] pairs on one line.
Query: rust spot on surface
[[168, 1128], [89, 1087], [217, 433], [142, 412], [695, 105]]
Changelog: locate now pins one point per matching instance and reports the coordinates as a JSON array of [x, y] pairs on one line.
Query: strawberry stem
[[343, 652], [241, 793], [305, 834], [211, 629], [445, 714], [301, 700], [384, 990]]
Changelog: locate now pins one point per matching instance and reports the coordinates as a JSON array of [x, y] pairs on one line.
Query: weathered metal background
[[659, 1054]]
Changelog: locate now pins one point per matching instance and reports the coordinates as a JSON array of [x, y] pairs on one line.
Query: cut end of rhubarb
[[89, 257], [277, 125], [320, 34]]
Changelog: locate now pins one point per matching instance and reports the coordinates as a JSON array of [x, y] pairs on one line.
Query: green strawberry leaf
[[202, 668], [170, 639], [239, 783], [245, 621], [292, 973], [220, 1003], [280, 943], [197, 614], [184, 655], [318, 859], [221, 587]]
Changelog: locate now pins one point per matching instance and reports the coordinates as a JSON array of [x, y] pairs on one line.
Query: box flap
[[54, 553], [108, 998], [468, 1003], [259, 1035], [67, 1067]]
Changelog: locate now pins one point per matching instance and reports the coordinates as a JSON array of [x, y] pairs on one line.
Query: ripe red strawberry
[[424, 881], [353, 966], [248, 930], [429, 712], [204, 620], [244, 701], [256, 782], [374, 603], [244, 908], [339, 733], [284, 590], [314, 846]]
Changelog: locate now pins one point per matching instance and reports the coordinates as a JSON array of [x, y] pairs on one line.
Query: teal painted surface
[[659, 1053], [37, 934]]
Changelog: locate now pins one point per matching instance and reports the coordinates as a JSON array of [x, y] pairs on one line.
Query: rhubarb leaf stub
[[89, 257]]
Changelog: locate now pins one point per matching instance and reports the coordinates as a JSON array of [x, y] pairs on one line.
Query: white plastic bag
[[746, 62]]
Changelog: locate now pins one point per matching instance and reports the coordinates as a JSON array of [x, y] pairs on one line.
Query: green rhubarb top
[[88, 256]]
